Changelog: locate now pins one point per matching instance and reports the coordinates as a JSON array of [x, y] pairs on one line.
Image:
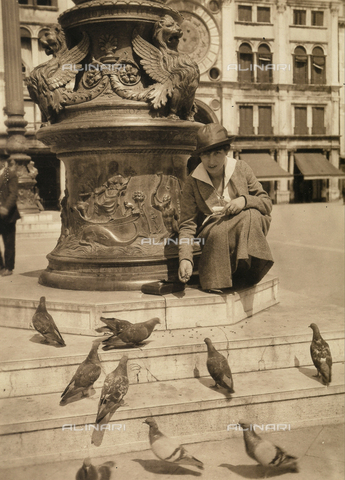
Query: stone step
[[44, 224], [35, 429], [38, 368], [79, 312]]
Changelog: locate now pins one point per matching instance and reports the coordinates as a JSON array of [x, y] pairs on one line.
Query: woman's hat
[[211, 136]]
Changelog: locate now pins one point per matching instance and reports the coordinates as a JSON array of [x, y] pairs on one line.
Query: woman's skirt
[[235, 250]]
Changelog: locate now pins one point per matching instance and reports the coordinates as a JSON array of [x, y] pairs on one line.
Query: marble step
[[43, 224], [79, 312], [37, 368], [35, 429]]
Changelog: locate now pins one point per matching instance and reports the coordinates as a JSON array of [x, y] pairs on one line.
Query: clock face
[[201, 38]]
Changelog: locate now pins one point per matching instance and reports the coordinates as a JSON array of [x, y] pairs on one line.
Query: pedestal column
[[14, 109], [124, 134]]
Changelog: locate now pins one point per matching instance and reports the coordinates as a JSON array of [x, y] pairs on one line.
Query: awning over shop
[[264, 167], [315, 166]]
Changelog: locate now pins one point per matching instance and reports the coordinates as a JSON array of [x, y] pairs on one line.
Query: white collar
[[2, 170], [200, 173]]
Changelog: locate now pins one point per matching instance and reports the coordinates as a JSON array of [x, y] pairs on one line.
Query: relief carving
[[175, 74], [48, 82]]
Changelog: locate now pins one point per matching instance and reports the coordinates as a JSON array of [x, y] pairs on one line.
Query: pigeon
[[321, 355], [90, 472], [114, 325], [265, 452], [114, 389], [85, 376], [43, 322], [133, 335], [218, 368], [168, 449]]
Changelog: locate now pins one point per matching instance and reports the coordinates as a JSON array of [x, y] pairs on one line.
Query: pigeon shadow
[[126, 346], [165, 468], [210, 384], [37, 338], [77, 397], [98, 433], [254, 471], [34, 273], [310, 372]]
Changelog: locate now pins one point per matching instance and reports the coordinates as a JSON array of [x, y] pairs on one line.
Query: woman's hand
[[185, 270], [235, 206]]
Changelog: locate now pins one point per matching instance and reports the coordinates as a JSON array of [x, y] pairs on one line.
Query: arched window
[[263, 64], [26, 52], [300, 67], [318, 66], [245, 63]]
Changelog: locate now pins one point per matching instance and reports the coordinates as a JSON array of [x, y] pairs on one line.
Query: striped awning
[[264, 167], [315, 166]]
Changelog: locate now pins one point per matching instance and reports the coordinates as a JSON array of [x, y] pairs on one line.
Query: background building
[[271, 73]]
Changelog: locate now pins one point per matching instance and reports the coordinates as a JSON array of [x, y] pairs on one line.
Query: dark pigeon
[[85, 376], [265, 452], [113, 325], [321, 356], [114, 389], [169, 449], [218, 368], [43, 322], [90, 472], [133, 335]]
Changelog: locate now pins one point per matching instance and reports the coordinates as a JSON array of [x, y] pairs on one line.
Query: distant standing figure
[[8, 215]]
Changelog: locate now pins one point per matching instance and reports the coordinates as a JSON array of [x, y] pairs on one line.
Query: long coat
[[9, 195], [230, 238]]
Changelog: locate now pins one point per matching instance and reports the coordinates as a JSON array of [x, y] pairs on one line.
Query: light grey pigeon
[[265, 452], [131, 336], [218, 367], [91, 472], [114, 389], [113, 325], [321, 355], [168, 449], [85, 376], [43, 322]]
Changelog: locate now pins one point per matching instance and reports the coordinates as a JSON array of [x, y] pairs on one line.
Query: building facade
[[271, 73]]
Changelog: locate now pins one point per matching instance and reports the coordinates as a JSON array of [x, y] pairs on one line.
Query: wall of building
[[264, 107]]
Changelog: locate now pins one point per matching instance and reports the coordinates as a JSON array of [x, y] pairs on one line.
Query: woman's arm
[[188, 222], [257, 197]]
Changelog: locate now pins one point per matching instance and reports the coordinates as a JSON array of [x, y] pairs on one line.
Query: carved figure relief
[[47, 82], [102, 204], [169, 213]]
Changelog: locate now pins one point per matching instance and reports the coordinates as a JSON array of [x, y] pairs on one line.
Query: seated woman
[[224, 204]]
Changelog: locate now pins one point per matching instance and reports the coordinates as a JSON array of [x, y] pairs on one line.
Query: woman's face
[[213, 161]]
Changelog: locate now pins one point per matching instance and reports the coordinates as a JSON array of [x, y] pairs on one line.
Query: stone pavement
[[308, 246], [320, 450]]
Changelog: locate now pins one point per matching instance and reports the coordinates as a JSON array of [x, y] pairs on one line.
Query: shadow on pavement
[[159, 466]]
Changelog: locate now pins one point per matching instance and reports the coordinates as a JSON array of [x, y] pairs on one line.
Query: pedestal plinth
[[124, 174]]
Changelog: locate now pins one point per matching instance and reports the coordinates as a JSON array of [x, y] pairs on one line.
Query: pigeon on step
[[90, 472], [265, 452], [321, 355], [218, 368], [114, 325], [43, 322], [85, 376], [114, 389], [168, 449], [133, 335]]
